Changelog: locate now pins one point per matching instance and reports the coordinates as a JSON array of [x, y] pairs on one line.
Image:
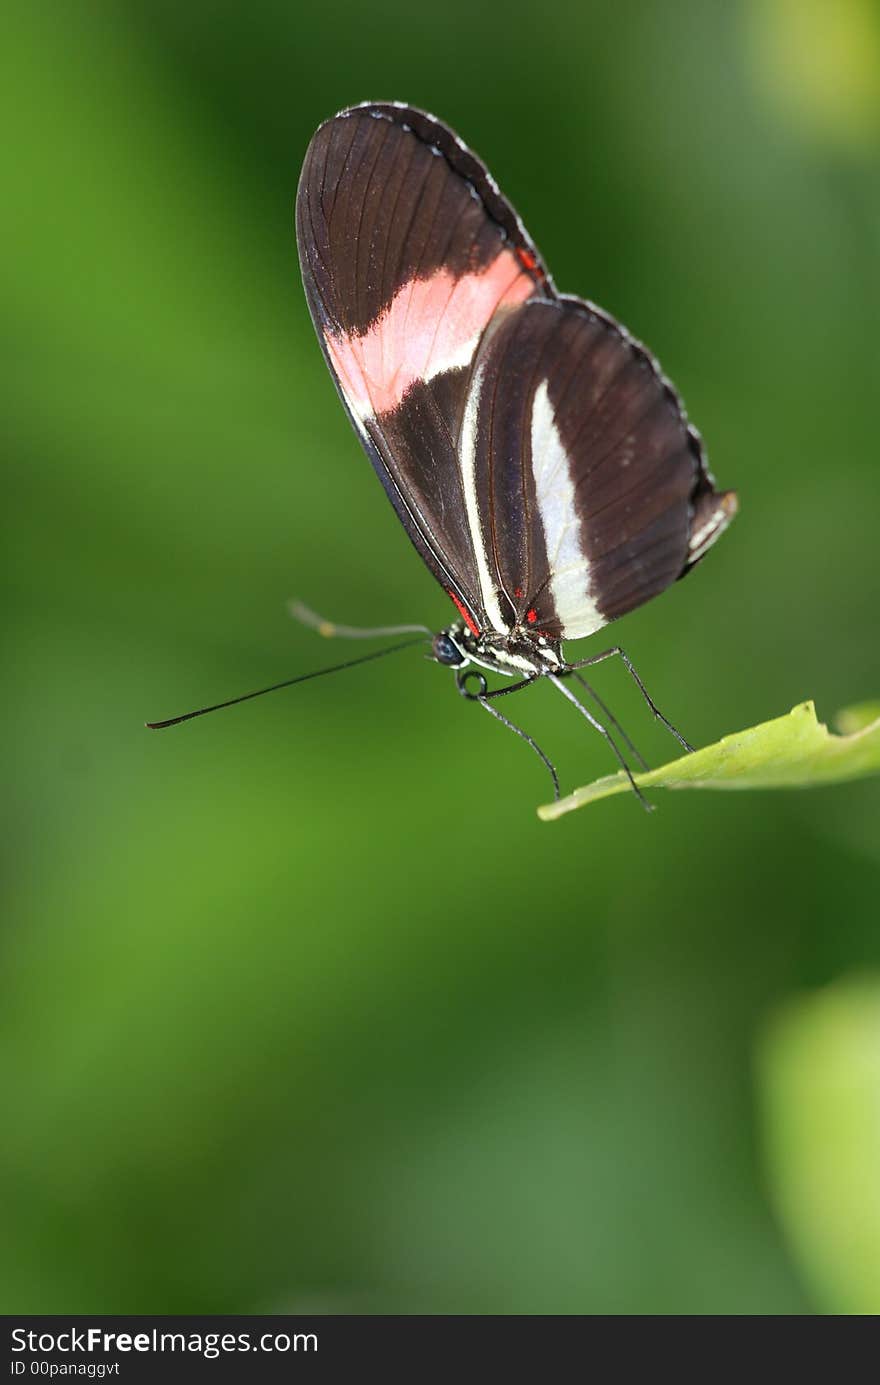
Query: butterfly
[[540, 461]]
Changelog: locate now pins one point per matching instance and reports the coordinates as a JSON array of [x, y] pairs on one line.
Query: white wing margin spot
[[569, 565], [711, 523]]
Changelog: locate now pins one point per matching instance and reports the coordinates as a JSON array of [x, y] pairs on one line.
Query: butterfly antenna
[[330, 630], [288, 683]]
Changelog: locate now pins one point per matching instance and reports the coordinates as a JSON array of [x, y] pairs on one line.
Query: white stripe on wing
[[568, 563], [468, 455]]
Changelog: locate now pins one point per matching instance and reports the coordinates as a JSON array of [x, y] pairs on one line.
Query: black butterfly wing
[[408, 253], [593, 490]]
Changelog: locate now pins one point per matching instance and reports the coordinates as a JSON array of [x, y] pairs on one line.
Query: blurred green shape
[[794, 751], [819, 64], [819, 1082]]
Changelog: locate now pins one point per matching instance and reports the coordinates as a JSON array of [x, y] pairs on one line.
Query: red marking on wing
[[465, 615], [531, 616], [528, 260], [518, 591]]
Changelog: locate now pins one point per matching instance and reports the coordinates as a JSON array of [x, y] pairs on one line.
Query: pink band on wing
[[431, 326]]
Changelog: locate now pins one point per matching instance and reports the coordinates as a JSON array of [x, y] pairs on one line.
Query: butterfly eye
[[446, 651]]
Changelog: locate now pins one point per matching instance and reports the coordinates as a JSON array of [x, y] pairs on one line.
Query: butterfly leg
[[483, 695], [608, 654], [463, 675], [524, 735], [603, 731], [330, 630], [606, 710]]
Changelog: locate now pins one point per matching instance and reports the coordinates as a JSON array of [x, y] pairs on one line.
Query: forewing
[[408, 252], [592, 489]]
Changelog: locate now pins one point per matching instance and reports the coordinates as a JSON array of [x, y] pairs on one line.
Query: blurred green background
[[301, 1008]]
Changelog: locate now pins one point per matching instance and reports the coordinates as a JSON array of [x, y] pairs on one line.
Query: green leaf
[[818, 1073], [794, 751]]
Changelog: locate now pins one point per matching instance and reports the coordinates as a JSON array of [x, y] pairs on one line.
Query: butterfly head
[[447, 648]]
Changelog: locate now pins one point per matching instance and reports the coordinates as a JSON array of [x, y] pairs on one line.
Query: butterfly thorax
[[518, 652]]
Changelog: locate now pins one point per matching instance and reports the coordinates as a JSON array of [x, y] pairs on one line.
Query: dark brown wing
[[592, 488], [408, 252]]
